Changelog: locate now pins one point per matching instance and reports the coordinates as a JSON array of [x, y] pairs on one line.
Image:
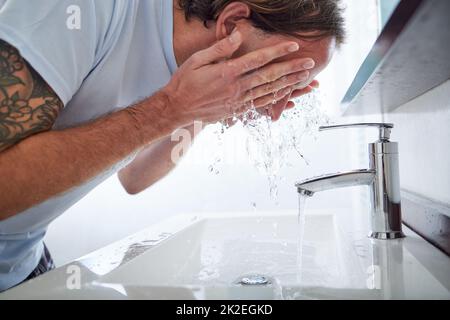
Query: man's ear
[[227, 20]]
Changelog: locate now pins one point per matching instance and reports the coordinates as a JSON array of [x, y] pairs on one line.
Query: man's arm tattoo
[[27, 103]]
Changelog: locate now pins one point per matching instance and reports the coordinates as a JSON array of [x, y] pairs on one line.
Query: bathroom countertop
[[409, 268]]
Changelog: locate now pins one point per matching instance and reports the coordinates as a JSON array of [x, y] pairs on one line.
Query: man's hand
[[274, 111], [210, 87], [286, 104]]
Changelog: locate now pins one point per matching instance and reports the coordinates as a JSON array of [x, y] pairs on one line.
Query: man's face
[[321, 51]]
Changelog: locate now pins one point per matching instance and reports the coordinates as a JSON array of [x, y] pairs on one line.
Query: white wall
[[423, 131]]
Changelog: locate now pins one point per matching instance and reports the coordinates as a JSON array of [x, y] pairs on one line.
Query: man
[[88, 88]]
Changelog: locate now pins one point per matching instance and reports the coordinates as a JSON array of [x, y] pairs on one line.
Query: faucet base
[[387, 235]]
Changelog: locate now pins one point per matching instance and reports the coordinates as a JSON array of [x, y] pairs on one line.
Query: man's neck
[[189, 37]]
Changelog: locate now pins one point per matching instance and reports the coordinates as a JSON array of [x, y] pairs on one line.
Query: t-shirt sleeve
[[58, 38]]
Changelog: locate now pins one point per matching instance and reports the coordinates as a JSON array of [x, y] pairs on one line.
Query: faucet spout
[[382, 177], [334, 181]]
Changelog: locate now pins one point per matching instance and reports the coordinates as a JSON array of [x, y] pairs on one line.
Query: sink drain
[[254, 280]]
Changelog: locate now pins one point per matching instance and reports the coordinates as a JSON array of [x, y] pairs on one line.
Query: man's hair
[[300, 18]]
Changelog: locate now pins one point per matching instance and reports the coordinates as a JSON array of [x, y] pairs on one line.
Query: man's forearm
[[50, 163], [152, 164]]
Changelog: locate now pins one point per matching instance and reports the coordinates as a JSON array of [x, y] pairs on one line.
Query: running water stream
[[301, 232], [269, 145]]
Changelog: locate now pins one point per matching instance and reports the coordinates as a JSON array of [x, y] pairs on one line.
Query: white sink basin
[[219, 251], [207, 257]]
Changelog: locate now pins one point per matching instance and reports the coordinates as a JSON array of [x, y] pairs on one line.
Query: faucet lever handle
[[384, 128]]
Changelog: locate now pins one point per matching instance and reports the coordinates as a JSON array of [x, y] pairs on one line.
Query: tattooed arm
[[27, 104], [37, 163]]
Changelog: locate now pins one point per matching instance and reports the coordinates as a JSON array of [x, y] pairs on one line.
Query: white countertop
[[347, 265]]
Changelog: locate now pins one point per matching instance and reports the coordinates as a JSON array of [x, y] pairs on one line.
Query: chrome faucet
[[382, 177]]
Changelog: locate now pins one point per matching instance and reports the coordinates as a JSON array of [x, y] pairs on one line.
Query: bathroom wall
[[423, 131]]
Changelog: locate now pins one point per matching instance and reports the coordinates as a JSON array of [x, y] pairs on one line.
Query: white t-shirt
[[98, 56]]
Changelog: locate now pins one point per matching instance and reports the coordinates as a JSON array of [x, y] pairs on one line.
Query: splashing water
[[214, 166], [270, 143]]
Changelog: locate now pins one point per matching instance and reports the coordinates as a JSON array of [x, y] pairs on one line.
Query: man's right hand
[[210, 86]]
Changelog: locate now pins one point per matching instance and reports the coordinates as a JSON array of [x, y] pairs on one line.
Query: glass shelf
[[409, 58]]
